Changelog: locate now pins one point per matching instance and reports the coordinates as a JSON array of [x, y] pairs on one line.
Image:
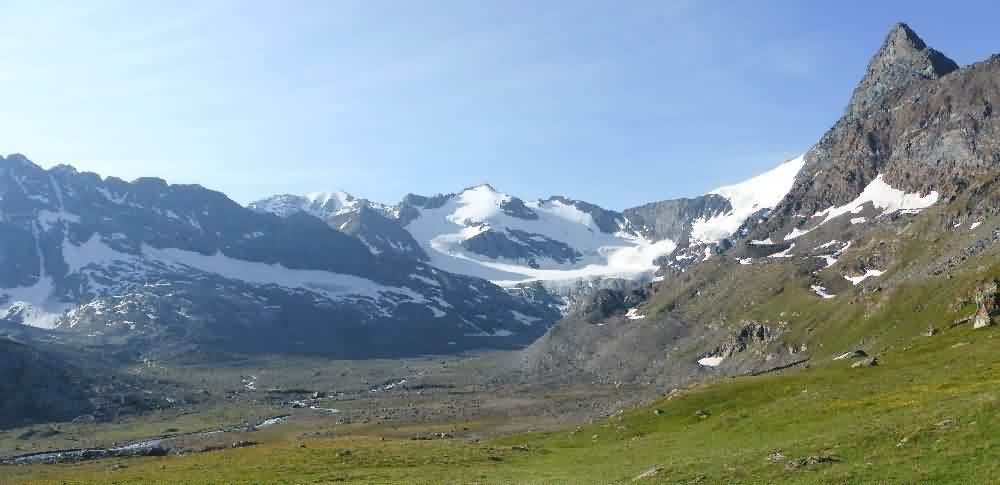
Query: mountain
[[133, 263], [46, 385], [885, 227], [171, 269], [496, 236], [548, 252], [568, 247], [58, 392], [372, 223], [147, 264], [925, 142], [488, 234], [702, 226], [903, 58]]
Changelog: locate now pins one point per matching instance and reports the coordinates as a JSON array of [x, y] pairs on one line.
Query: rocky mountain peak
[[904, 57], [483, 187], [16, 160], [902, 35]]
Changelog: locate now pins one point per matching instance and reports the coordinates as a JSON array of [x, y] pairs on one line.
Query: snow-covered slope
[[761, 192], [705, 226], [884, 198], [372, 223], [488, 234], [323, 205]]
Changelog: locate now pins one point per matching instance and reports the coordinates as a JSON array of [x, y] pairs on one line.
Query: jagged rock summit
[[904, 57]]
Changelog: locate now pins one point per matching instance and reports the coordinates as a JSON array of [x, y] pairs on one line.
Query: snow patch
[[784, 254], [38, 306], [796, 232], [868, 273], [821, 291], [633, 314], [49, 219], [525, 319], [882, 196], [831, 259], [827, 244], [761, 192], [500, 332], [429, 281]]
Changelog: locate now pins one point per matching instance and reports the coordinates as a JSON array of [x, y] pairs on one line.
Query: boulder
[[652, 472], [854, 354], [986, 304], [808, 461], [869, 362]]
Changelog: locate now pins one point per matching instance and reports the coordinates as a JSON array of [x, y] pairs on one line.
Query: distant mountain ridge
[[180, 268], [558, 241], [199, 268]]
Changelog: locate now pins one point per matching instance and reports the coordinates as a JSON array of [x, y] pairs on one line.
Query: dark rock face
[[615, 350], [750, 334], [903, 58], [382, 236], [672, 219], [515, 208], [520, 245], [987, 306], [408, 208], [38, 387], [927, 134], [375, 225], [601, 305]]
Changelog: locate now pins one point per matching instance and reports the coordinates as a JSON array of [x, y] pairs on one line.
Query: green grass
[[858, 416], [153, 423]]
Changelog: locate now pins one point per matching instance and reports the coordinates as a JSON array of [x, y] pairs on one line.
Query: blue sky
[[617, 103]]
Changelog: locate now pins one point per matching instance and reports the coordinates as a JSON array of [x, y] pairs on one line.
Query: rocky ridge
[[918, 141], [204, 269]]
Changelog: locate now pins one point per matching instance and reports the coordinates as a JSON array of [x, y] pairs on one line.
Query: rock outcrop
[[986, 304], [925, 133], [750, 334], [38, 387], [903, 58]]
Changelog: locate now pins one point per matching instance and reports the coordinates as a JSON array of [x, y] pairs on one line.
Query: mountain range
[[139, 262], [174, 269]]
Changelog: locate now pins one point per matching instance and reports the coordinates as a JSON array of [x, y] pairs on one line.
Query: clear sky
[[616, 103]]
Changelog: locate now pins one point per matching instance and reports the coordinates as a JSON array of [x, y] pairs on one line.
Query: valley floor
[[926, 413]]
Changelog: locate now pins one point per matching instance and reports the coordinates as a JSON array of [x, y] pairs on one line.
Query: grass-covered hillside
[[925, 414]]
